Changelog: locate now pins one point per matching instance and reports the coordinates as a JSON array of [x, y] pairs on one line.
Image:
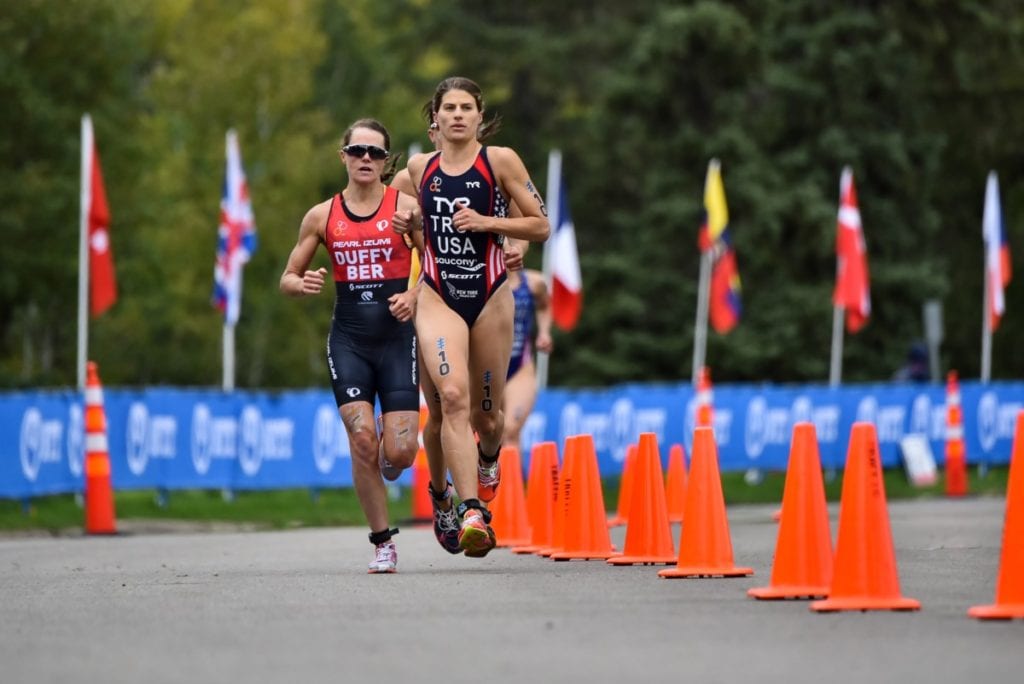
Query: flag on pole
[[102, 279], [725, 305], [997, 250], [236, 236], [852, 290], [567, 282]]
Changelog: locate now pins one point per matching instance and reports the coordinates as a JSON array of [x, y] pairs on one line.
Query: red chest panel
[[367, 249]]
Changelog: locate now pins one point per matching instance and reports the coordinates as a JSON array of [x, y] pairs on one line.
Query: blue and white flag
[[236, 236]]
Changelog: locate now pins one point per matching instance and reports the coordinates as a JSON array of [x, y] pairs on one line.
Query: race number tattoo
[[536, 196], [444, 368], [487, 404]]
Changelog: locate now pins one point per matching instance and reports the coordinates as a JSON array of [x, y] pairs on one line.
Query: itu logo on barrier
[[251, 439], [76, 439], [330, 441], [40, 442], [149, 437], [996, 420], [613, 431]]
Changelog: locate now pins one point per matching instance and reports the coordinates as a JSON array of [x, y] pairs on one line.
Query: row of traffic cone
[[860, 575]]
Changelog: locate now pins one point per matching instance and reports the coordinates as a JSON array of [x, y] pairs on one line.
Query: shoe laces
[[386, 553], [474, 518], [447, 521], [488, 472]]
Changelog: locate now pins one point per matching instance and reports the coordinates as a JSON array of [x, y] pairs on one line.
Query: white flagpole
[[85, 201], [986, 325], [700, 325], [989, 233], [231, 310], [554, 205], [229, 357], [835, 372]]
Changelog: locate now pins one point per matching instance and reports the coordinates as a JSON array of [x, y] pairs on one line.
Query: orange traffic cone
[[541, 496], [803, 548], [566, 483], [511, 526], [864, 575], [422, 512], [675, 483], [625, 488], [648, 536], [956, 455], [1010, 584], [99, 494], [586, 526], [705, 545], [705, 399]]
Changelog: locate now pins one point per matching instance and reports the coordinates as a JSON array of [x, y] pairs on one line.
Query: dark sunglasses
[[378, 153]]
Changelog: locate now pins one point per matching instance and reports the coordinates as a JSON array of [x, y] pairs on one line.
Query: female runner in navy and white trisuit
[[371, 349], [464, 311], [532, 304]]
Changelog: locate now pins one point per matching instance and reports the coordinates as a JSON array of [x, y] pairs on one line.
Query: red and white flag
[[853, 291], [102, 279], [566, 279]]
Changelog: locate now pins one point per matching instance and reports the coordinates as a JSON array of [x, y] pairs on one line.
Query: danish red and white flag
[[102, 278], [853, 291]]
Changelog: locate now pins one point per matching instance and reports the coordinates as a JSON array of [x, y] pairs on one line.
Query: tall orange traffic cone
[[1010, 583], [541, 496], [803, 548], [705, 545], [956, 455], [648, 536], [99, 494], [864, 574], [586, 527], [705, 399], [421, 510], [511, 526], [625, 488], [675, 483], [566, 484]]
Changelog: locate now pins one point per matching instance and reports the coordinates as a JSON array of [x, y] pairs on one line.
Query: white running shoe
[[386, 559]]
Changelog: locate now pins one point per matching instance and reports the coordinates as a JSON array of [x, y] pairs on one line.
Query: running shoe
[[446, 523], [386, 559], [476, 537], [488, 478]]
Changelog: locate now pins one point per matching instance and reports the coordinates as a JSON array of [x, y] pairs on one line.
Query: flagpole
[[700, 325], [228, 382], [986, 324], [987, 294], [554, 203], [85, 199], [835, 372]]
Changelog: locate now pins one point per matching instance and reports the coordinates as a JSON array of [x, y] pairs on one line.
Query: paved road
[[297, 606]]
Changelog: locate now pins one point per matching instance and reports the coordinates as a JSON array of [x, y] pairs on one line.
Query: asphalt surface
[[298, 606]]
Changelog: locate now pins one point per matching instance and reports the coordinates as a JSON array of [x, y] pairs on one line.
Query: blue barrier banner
[[165, 438]]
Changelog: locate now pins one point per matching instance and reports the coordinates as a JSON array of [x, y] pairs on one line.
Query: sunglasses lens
[[375, 152]]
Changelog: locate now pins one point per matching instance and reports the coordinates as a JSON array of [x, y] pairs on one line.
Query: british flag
[[236, 236]]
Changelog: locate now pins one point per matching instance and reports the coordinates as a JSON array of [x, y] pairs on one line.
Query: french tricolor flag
[[566, 281], [997, 251]]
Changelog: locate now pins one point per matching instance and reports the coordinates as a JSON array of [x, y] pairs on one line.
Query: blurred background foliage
[[922, 98]]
